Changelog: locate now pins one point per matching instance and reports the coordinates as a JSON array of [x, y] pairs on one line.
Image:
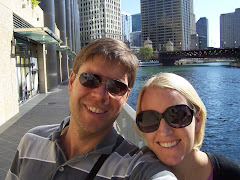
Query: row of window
[[90, 28], [101, 31], [87, 2], [85, 39]]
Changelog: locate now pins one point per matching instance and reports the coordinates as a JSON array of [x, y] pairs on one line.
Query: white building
[[126, 26], [99, 19]]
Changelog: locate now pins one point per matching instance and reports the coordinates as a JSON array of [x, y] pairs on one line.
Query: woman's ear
[[198, 121]]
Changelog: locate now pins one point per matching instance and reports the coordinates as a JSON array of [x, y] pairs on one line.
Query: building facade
[[166, 20], [230, 29], [136, 22], [202, 31], [136, 39], [126, 26], [37, 49], [99, 19]]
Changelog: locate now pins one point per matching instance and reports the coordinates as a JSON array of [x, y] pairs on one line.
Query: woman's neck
[[195, 166]]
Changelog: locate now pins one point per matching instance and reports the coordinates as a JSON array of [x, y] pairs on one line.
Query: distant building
[[126, 26], [230, 29], [136, 39], [136, 22], [169, 46], [192, 19], [194, 42], [193, 32], [99, 19], [148, 43], [165, 21], [202, 31]]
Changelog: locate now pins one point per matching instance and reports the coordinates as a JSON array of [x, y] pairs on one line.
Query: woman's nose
[[164, 129]]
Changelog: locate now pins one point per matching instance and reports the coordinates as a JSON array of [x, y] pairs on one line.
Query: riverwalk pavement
[[49, 108]]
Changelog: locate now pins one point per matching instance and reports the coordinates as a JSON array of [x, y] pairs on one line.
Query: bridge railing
[[125, 126]]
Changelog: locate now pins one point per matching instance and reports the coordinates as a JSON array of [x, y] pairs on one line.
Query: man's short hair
[[112, 51]]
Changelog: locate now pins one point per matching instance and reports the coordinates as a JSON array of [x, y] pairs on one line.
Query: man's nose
[[101, 92]]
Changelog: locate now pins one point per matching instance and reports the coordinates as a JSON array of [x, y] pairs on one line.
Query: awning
[[42, 35], [65, 49]]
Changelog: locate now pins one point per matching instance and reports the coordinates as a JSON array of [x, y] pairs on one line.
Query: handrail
[[125, 126]]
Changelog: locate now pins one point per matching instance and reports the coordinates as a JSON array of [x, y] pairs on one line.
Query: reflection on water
[[218, 85]]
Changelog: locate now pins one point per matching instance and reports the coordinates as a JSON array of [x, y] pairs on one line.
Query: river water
[[218, 85]]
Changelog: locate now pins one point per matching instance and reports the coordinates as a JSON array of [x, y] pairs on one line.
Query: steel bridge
[[168, 58]]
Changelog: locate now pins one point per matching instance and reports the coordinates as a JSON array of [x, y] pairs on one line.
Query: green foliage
[[238, 56], [146, 52], [163, 48], [176, 49], [34, 3]]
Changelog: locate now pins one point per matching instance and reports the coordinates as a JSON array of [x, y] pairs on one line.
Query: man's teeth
[[169, 144], [95, 110]]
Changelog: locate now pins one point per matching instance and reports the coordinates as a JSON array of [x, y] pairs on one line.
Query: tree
[[238, 56], [146, 52]]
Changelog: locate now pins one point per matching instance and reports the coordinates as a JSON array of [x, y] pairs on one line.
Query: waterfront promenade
[[50, 108]]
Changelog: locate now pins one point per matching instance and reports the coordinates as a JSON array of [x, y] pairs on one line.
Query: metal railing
[[125, 126]]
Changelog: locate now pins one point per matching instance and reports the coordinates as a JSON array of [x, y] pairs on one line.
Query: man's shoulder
[[44, 130], [38, 134]]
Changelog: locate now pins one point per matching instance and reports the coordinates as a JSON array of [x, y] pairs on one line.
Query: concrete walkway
[[50, 108]]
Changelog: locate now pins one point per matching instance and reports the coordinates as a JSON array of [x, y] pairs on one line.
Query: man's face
[[93, 111]]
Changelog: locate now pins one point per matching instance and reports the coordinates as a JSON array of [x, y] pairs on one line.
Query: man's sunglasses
[[113, 86], [177, 116]]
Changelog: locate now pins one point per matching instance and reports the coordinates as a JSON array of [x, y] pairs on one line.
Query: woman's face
[[171, 145]]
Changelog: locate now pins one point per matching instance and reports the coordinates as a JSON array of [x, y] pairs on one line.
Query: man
[[85, 145]]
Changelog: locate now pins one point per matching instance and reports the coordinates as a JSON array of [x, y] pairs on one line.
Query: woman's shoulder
[[224, 167]]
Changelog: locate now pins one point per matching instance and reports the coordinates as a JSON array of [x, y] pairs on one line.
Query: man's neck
[[74, 143]]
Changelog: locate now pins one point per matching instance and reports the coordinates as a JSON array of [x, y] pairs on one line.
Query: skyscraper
[[99, 19], [230, 29], [126, 26], [136, 39], [166, 20], [136, 22], [202, 31]]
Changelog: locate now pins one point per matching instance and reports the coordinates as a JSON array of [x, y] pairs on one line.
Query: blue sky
[[211, 9]]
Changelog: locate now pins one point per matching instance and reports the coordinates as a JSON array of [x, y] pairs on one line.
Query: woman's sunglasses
[[113, 86], [177, 116]]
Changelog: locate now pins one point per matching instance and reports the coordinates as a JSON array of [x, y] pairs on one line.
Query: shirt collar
[[105, 146], [56, 134]]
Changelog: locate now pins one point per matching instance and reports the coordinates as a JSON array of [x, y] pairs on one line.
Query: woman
[[171, 117]]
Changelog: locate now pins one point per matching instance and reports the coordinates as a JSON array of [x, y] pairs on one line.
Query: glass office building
[[136, 22], [126, 26], [202, 31]]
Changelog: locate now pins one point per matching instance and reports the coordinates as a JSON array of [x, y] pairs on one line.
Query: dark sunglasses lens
[[90, 80], [179, 116], [116, 87], [147, 121]]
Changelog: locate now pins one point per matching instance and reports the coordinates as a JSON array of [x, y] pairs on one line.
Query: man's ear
[[128, 92], [70, 83], [126, 95]]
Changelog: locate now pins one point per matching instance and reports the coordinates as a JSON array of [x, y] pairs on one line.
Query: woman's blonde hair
[[178, 83]]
